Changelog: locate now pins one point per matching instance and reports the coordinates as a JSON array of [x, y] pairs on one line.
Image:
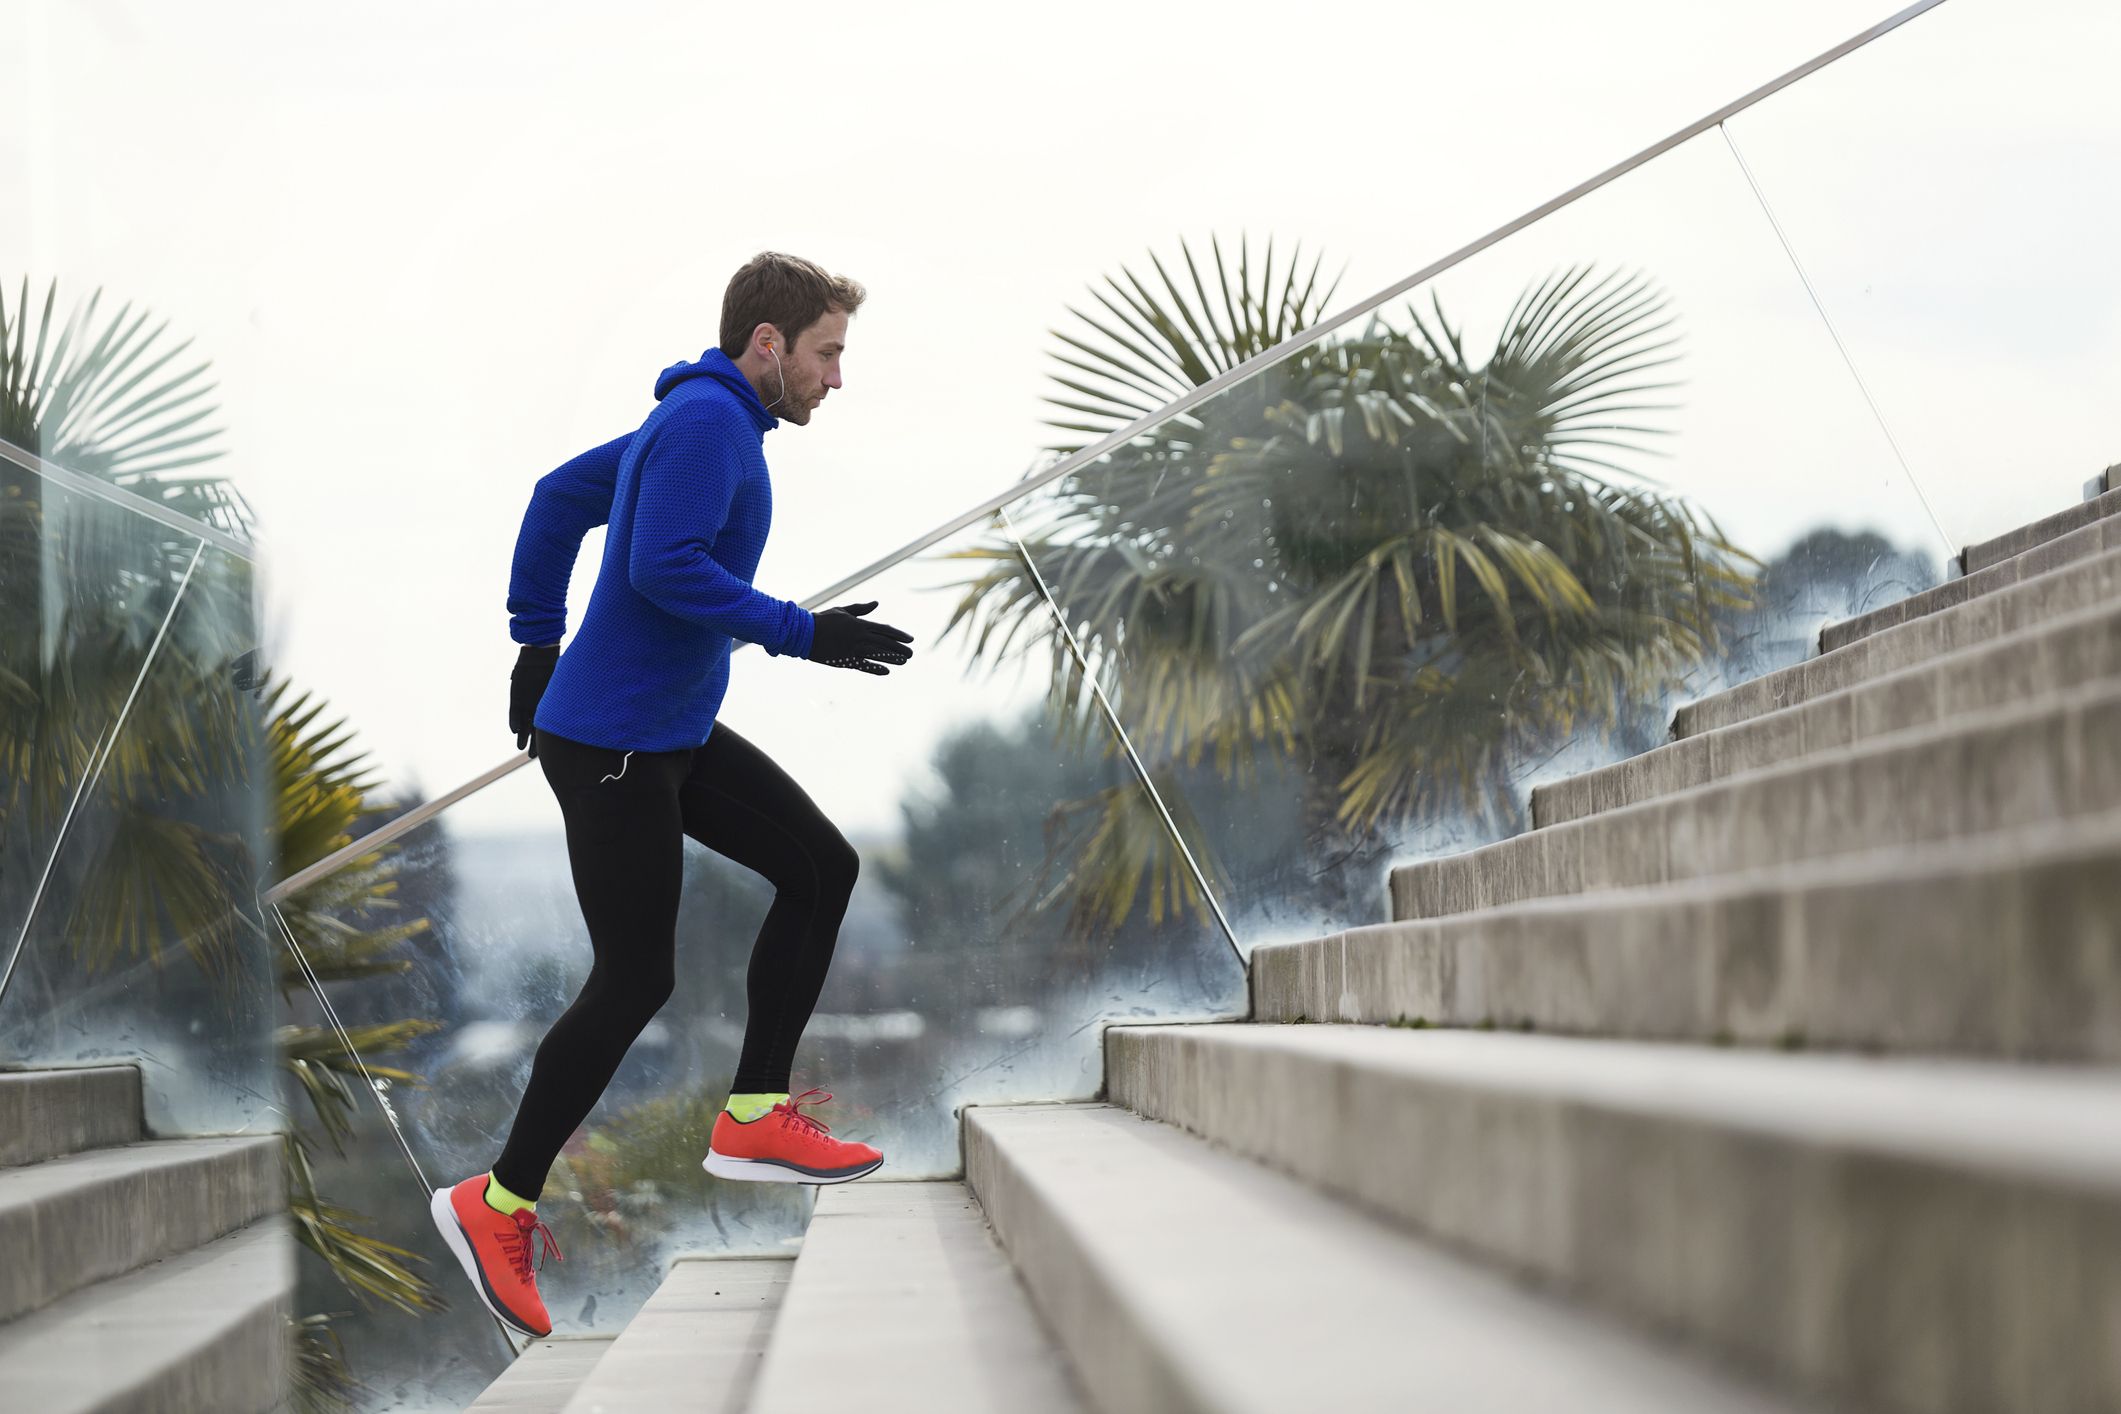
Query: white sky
[[433, 250]]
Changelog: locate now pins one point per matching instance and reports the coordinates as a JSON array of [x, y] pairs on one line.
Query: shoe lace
[[791, 1111], [519, 1244]]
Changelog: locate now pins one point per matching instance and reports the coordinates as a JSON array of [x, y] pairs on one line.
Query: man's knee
[[829, 866], [841, 866], [634, 994]]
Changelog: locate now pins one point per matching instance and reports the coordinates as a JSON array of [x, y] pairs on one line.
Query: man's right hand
[[525, 686], [844, 639]]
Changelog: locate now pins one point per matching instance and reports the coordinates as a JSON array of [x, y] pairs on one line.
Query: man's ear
[[768, 336]]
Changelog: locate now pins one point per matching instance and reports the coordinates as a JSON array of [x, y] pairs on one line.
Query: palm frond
[[323, 1382], [1379, 561], [1158, 339], [375, 1271]]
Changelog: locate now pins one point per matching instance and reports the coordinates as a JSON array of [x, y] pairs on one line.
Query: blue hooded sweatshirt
[[689, 504]]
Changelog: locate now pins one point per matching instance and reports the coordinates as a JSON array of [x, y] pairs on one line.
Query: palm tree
[[1379, 566]]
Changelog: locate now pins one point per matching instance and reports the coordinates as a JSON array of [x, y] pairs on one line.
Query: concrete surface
[[47, 1113], [1993, 948], [543, 1378], [2051, 657], [2070, 589], [2080, 544], [1184, 1279], [1932, 1236], [72, 1221], [205, 1330], [695, 1346], [2027, 765], [2028, 537], [901, 1293]]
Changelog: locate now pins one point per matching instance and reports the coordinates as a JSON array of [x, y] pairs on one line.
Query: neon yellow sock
[[501, 1200], [749, 1107]]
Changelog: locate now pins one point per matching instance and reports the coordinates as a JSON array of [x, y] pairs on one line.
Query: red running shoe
[[784, 1145], [494, 1248]]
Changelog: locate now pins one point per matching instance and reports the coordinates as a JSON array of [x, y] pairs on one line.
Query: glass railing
[[1344, 599], [134, 801]]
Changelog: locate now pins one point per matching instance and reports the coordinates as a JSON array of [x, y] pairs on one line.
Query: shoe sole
[[445, 1215], [780, 1171]]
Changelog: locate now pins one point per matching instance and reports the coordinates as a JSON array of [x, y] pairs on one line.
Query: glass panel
[[404, 942], [84, 588], [1944, 189], [147, 945], [957, 975], [1000, 914], [1355, 607], [373, 1265]]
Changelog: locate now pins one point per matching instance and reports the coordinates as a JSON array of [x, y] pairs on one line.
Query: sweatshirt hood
[[718, 367]]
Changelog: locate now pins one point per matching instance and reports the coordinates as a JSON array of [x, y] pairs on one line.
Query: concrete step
[[2006, 947], [901, 1292], [543, 1378], [70, 1222], [2049, 657], [2072, 589], [2086, 542], [1928, 1237], [2019, 541], [1184, 1279], [203, 1330], [47, 1113], [696, 1345], [2021, 767]]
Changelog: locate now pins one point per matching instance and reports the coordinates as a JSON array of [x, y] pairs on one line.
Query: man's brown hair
[[786, 291]]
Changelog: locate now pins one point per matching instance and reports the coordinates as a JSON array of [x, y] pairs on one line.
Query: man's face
[[810, 367]]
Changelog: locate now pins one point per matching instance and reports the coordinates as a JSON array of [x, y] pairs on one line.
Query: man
[[624, 727]]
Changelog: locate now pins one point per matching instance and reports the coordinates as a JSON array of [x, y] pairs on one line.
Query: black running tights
[[626, 816]]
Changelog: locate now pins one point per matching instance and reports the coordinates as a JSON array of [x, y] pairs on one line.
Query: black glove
[[525, 686], [846, 640]]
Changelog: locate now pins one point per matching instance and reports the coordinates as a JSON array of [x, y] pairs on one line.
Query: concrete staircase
[[900, 1294], [1711, 1092], [544, 1377], [145, 1276]]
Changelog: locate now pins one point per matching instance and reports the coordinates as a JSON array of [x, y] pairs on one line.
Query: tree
[[964, 875], [1826, 575], [1378, 564]]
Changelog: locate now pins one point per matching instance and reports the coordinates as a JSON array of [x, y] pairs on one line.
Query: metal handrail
[[1264, 359], [70, 480]]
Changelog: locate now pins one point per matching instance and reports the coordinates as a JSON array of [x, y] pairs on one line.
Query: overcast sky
[[435, 249]]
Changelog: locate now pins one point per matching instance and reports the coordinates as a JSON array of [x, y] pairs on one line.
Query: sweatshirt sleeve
[[565, 505], [688, 478]]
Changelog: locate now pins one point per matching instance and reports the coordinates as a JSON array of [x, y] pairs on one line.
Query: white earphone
[[782, 378]]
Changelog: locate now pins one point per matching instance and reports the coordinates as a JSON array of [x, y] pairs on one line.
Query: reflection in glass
[[350, 975], [85, 588], [131, 828], [146, 943]]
